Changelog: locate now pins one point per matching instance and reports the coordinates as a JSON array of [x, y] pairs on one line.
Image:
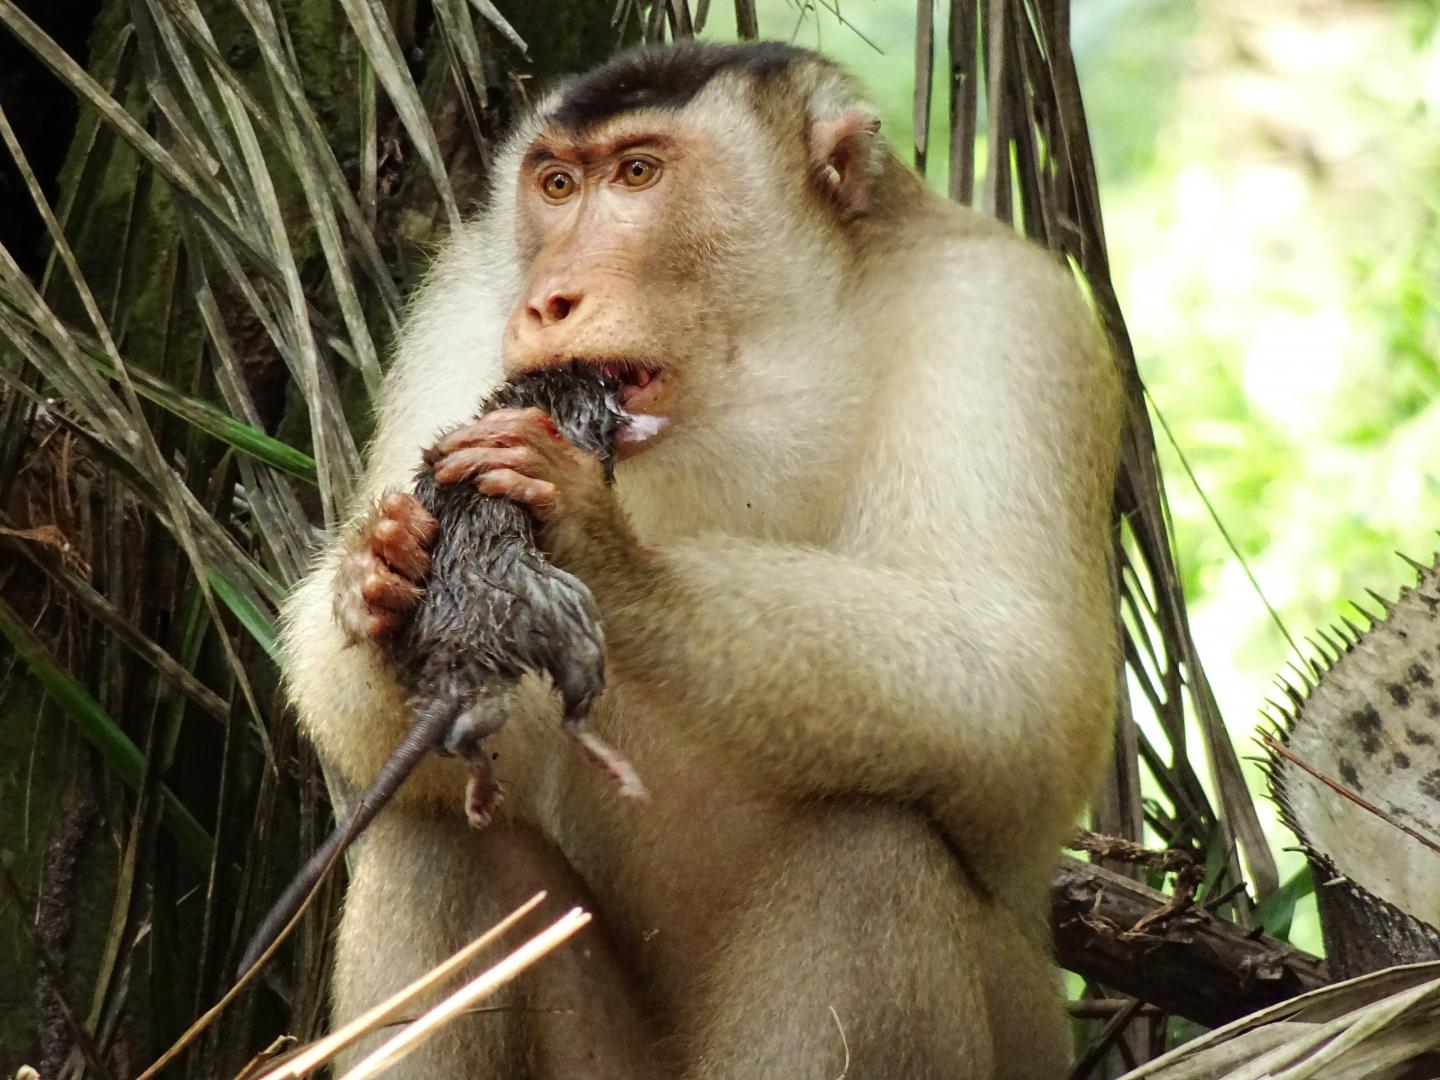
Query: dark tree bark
[[1190, 963]]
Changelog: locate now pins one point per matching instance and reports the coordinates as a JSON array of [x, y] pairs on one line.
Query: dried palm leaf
[[1384, 1026], [1357, 776]]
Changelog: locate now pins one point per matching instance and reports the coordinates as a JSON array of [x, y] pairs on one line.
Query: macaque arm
[[347, 694], [348, 697], [955, 644], [822, 676]]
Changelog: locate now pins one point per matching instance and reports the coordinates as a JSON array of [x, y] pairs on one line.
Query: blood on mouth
[[635, 377], [628, 372]]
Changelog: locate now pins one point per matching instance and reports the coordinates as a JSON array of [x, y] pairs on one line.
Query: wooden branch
[[1190, 962]]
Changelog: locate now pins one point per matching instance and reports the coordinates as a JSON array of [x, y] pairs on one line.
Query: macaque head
[[681, 210]]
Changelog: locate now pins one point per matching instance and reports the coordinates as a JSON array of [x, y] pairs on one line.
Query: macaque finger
[[539, 495], [406, 511], [396, 545], [469, 464], [388, 590], [503, 427], [547, 425]]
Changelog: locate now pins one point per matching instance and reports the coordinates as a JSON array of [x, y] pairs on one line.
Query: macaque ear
[[843, 152]]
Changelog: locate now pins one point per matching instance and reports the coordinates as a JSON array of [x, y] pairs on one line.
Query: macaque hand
[[379, 579], [519, 454]]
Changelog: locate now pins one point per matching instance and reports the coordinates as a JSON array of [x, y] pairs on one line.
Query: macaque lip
[[643, 393], [643, 385], [634, 375]]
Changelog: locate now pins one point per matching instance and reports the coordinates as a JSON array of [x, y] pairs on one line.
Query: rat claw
[[483, 793]]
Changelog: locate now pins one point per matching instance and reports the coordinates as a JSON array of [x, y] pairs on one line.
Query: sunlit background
[[1270, 176]]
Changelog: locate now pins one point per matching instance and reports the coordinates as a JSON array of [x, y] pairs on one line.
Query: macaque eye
[[557, 185], [639, 172]]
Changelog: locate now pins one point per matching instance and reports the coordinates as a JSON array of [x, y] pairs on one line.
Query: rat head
[[682, 210]]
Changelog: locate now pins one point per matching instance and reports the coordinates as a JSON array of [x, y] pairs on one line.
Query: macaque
[[853, 577]]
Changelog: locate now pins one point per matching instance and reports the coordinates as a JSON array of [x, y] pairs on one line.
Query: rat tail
[[427, 732]]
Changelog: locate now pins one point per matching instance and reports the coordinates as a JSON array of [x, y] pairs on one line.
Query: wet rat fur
[[494, 609]]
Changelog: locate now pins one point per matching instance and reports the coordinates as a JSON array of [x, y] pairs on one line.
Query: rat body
[[493, 610]]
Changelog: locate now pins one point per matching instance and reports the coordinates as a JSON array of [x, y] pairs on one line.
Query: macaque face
[[627, 230]]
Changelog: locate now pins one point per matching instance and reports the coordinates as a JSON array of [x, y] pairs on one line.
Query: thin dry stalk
[[457, 1003], [317, 1053]]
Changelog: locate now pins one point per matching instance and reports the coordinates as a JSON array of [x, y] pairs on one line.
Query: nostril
[[558, 306]]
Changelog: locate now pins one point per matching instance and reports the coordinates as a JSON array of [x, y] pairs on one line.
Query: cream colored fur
[[869, 683]]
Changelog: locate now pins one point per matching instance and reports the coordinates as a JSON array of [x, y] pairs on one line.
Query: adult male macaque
[[853, 578]]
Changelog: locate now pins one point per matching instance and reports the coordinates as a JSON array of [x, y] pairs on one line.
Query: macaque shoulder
[[985, 316], [970, 273], [1002, 405], [447, 355]]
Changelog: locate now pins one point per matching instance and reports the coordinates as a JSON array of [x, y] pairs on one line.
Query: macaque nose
[[555, 307]]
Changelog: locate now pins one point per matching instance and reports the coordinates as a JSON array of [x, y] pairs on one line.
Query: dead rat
[[494, 609]]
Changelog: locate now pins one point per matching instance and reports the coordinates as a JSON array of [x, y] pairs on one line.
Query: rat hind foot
[[607, 757], [483, 794]]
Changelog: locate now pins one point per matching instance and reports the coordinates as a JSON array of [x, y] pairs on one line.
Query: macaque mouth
[[641, 381], [641, 396], [632, 373]]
